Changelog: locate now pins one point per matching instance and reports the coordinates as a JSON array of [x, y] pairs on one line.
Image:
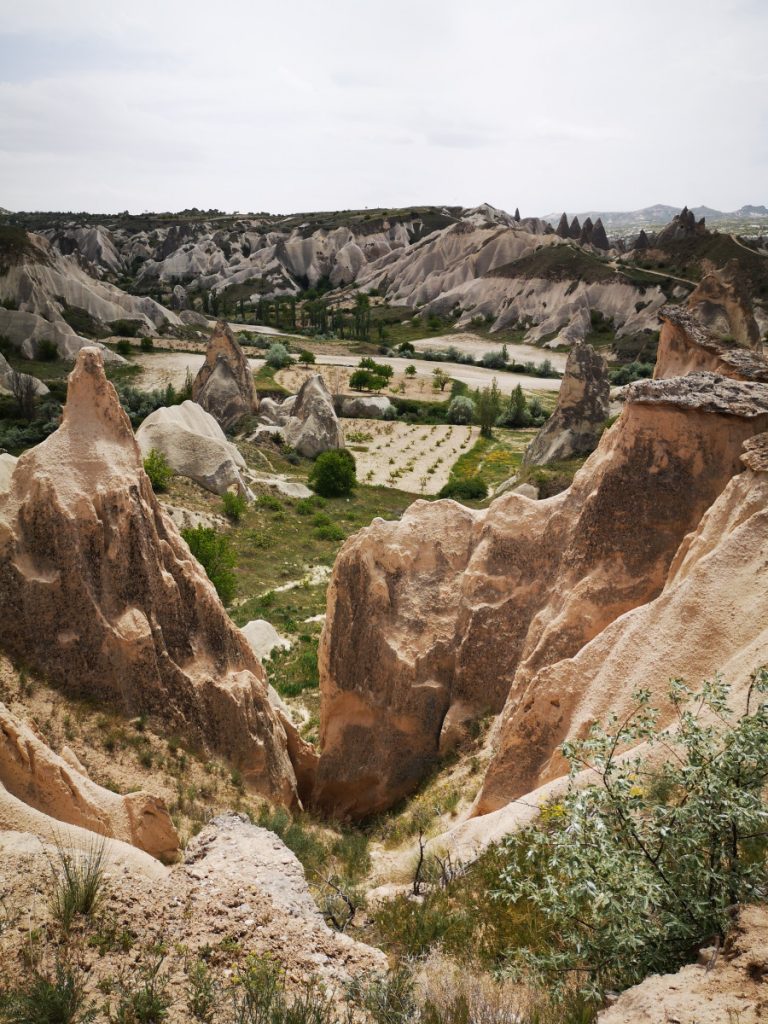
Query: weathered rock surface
[[100, 592], [313, 426], [722, 304], [682, 225], [237, 882], [583, 406], [719, 989], [439, 617], [194, 446], [7, 466], [224, 384], [32, 773], [710, 617], [41, 283], [685, 346]]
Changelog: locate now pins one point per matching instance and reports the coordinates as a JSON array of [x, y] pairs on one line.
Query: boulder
[[366, 407], [264, 638], [101, 595], [313, 426], [34, 774], [440, 617], [190, 318], [685, 346], [583, 403], [194, 446], [710, 616], [224, 384]]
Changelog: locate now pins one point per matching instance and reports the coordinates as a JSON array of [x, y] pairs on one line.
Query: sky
[[284, 107]]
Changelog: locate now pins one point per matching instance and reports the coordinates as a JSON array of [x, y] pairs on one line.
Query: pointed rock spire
[[562, 227]]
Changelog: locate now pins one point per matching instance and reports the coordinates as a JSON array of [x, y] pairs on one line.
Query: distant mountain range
[[660, 214]]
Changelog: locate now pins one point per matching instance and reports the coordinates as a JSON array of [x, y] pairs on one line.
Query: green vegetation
[[635, 871], [234, 505], [278, 356], [472, 488], [78, 883], [631, 372], [333, 474], [157, 469], [215, 553], [46, 998], [461, 410], [552, 478]]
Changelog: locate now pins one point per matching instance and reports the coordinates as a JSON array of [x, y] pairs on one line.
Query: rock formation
[[194, 446], [711, 616], [313, 426], [436, 618], [224, 384], [32, 773], [722, 304], [599, 237], [100, 593], [582, 408], [575, 229], [682, 225], [641, 242], [587, 227], [562, 227], [685, 346]]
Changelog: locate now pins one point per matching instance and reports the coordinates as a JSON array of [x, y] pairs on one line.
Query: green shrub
[[45, 1000], [78, 883], [147, 344], [157, 469], [129, 328], [47, 351], [144, 999], [235, 505], [636, 871], [306, 506], [306, 358], [329, 531], [461, 410], [367, 380], [123, 347], [278, 356], [215, 553], [469, 488], [334, 473]]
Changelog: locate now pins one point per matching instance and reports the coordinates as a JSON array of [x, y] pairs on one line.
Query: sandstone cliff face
[[101, 594], [583, 404], [685, 346], [723, 305], [710, 617], [437, 618], [224, 383], [32, 773]]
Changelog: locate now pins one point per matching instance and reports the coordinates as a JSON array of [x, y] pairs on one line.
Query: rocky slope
[[39, 285], [101, 594], [447, 614]]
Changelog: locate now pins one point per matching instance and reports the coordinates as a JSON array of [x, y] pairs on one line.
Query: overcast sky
[[297, 106]]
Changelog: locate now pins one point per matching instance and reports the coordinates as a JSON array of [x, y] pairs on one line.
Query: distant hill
[[653, 216]]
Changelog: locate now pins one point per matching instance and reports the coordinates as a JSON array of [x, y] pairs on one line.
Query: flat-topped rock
[[686, 345], [703, 391]]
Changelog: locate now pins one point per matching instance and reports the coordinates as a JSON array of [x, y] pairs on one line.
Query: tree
[[515, 412], [631, 873], [381, 369], [23, 390], [488, 406], [215, 553], [410, 370], [306, 358], [367, 380], [461, 410], [361, 317], [278, 356], [334, 473], [441, 378]]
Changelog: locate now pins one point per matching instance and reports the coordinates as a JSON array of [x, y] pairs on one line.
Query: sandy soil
[[466, 341], [412, 458]]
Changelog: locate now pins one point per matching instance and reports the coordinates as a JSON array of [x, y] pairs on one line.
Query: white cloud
[[542, 104]]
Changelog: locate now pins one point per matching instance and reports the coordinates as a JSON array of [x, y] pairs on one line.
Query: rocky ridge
[[100, 593]]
